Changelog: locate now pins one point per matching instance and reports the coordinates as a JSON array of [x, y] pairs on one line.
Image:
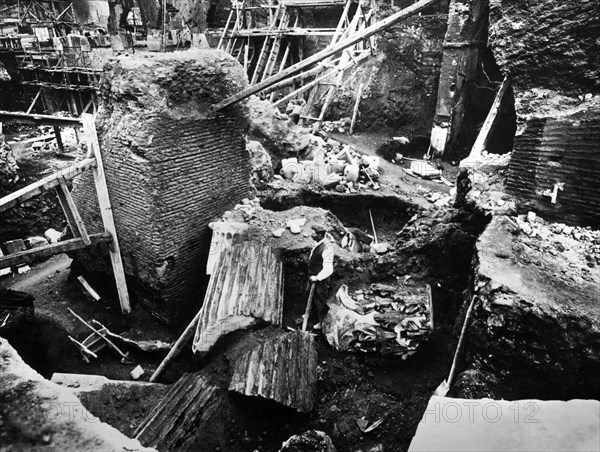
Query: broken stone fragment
[[526, 228], [310, 441], [35, 242], [14, 246], [278, 232], [351, 173], [295, 225], [52, 235], [137, 372], [380, 248]]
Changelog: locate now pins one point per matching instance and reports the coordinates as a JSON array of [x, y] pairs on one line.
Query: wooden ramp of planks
[[245, 288], [283, 369], [188, 406], [58, 181]]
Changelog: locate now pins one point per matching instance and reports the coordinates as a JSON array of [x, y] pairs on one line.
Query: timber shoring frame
[[93, 160]]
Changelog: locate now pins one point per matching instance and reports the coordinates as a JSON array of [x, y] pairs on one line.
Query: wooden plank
[[225, 30], [35, 99], [327, 52], [106, 211], [39, 120], [489, 124], [68, 205], [59, 141], [89, 289], [41, 186], [299, 77], [27, 257], [356, 105]]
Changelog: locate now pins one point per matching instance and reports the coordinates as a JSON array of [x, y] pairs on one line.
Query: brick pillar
[[171, 167]]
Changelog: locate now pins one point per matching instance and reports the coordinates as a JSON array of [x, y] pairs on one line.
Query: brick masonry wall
[[559, 149], [171, 167]]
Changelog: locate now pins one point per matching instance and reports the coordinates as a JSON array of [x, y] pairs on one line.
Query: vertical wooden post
[[59, 141], [356, 105], [91, 136]]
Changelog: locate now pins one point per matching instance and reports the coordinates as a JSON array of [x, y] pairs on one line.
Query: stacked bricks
[[559, 149], [172, 165]]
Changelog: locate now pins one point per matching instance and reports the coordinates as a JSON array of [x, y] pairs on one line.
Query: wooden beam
[[59, 141], [35, 99], [91, 136], [318, 80], [299, 77], [41, 186], [68, 205], [27, 257], [327, 52], [356, 105], [489, 124], [39, 120]]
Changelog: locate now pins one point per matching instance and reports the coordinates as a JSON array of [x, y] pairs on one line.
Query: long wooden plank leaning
[[45, 184], [89, 129], [327, 52]]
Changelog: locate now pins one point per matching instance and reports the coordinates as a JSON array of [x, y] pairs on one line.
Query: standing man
[[320, 268], [463, 186]]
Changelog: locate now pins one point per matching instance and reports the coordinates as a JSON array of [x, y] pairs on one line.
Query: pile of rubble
[[8, 164], [334, 166], [386, 319], [339, 126], [557, 238]]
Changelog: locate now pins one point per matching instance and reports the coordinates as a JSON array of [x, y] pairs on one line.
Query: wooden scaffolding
[[266, 51]]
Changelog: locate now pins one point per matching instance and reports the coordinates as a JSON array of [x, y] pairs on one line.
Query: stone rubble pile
[[334, 166]]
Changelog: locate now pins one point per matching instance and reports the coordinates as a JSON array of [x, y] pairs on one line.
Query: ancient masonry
[[171, 165]]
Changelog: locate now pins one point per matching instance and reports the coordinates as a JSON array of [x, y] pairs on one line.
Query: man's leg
[[321, 297]]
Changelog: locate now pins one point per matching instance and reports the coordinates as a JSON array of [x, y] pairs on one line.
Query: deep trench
[[399, 389], [408, 384]]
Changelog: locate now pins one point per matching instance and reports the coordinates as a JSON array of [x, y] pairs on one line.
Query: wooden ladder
[[272, 60], [58, 181]]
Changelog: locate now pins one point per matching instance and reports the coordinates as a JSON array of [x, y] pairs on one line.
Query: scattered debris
[[296, 225], [97, 341], [278, 232], [137, 372], [366, 427]]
